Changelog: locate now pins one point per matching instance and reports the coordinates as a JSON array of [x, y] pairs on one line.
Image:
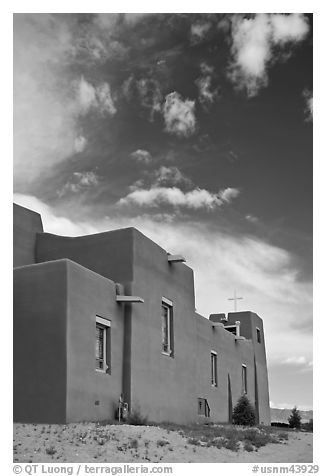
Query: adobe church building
[[113, 313]]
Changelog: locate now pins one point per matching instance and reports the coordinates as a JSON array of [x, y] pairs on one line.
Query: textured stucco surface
[[167, 388], [55, 380], [162, 387], [90, 393], [108, 254], [26, 224], [39, 329], [250, 321], [231, 354]]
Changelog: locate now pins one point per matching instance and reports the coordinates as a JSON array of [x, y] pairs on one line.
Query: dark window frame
[[167, 336], [214, 379], [103, 358], [244, 379]]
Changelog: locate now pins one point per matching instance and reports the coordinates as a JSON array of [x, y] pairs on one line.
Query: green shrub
[[231, 444], [248, 446], [295, 419], [250, 435], [244, 413], [262, 439]]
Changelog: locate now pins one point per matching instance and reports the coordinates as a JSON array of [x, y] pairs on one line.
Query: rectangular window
[[167, 327], [258, 335], [213, 369], [203, 407], [244, 378], [103, 345]]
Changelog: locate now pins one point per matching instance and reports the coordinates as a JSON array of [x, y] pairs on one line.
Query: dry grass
[[230, 437], [86, 442]]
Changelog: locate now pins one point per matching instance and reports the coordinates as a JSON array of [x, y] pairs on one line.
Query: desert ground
[[91, 442]]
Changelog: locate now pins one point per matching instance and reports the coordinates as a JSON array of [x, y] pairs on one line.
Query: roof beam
[[128, 299], [176, 259]]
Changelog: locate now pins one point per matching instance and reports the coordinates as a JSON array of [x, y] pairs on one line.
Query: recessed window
[[103, 345], [213, 369], [232, 329], [258, 335], [167, 327], [244, 378], [203, 407]]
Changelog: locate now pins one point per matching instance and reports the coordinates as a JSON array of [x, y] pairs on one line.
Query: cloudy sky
[[197, 130]]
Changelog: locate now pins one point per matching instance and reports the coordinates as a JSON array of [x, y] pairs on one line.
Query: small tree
[[295, 419], [244, 413]]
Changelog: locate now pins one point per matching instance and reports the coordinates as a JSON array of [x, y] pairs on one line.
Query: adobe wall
[[167, 388], [162, 387], [108, 254], [250, 321], [231, 354], [55, 379], [91, 395], [26, 224], [39, 329]]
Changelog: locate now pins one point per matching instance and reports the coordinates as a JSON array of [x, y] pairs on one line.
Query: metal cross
[[235, 299]]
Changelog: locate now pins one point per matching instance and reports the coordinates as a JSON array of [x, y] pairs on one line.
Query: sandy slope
[[124, 443]]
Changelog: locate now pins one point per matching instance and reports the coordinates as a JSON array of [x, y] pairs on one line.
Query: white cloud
[[206, 69], [104, 99], [206, 94], [46, 105], [252, 218], [170, 176], [98, 98], [307, 95], [194, 199], [80, 144], [179, 115], [198, 31], [44, 113], [86, 178], [155, 179], [86, 95], [142, 156], [97, 43], [287, 28], [289, 406], [228, 194], [298, 361], [54, 222], [79, 182], [157, 196], [253, 41]]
